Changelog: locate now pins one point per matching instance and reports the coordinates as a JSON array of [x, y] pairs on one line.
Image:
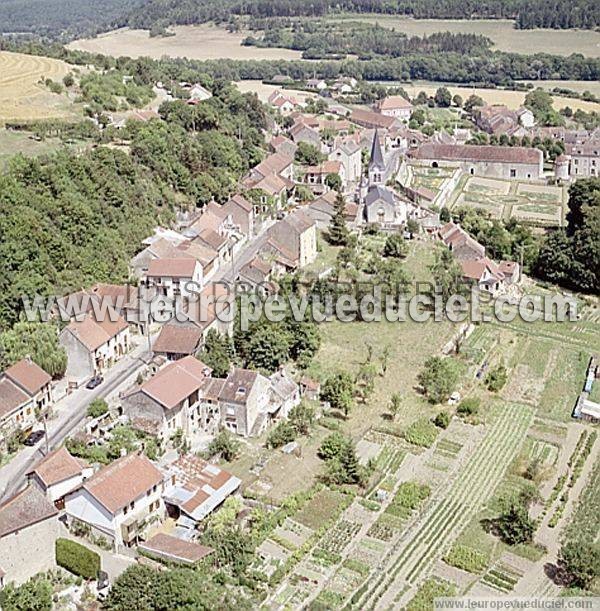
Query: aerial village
[[134, 449]]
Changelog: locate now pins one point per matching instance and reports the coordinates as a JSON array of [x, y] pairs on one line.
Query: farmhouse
[[301, 132], [315, 175], [117, 501], [29, 527], [584, 158], [498, 119], [285, 104], [494, 161], [395, 106]]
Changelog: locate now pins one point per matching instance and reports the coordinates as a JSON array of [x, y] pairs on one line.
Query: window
[[513, 173]]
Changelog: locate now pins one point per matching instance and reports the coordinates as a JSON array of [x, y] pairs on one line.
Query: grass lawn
[[320, 509]]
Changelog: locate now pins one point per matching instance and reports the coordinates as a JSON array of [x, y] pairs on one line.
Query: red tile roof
[[94, 334], [176, 381], [394, 102], [175, 549], [26, 508], [178, 338], [183, 267], [123, 481], [11, 397], [29, 376], [58, 466]]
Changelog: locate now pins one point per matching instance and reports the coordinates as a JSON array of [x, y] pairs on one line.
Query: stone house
[[119, 501], [93, 346], [174, 278], [350, 156], [395, 106], [25, 392], [297, 234], [29, 528]]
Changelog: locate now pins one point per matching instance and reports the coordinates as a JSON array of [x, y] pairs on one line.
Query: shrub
[[442, 420], [421, 433], [77, 558], [468, 406], [496, 378], [97, 408]]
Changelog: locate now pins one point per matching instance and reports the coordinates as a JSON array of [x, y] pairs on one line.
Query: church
[[382, 205]]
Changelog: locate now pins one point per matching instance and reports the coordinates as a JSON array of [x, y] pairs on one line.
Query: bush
[[77, 559], [468, 407], [496, 378], [421, 433], [283, 433], [442, 420], [97, 408]]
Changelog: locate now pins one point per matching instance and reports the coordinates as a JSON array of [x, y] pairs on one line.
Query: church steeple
[[377, 163]]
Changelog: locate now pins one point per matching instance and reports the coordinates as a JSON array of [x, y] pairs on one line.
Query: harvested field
[[263, 91], [194, 42], [22, 96]]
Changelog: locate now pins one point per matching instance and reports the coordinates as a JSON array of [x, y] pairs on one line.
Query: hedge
[[77, 559]]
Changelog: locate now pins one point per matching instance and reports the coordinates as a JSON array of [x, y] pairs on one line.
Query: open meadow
[[500, 31], [194, 42], [22, 96]]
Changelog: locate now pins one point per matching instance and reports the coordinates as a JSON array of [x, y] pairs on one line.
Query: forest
[[321, 40], [70, 19], [68, 220]]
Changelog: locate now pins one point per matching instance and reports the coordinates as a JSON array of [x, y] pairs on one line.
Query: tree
[[216, 353], [496, 378], [33, 595], [305, 340], [395, 246], [97, 408], [307, 154], [438, 378], [443, 97], [268, 347], [283, 433], [514, 525], [446, 272], [395, 404], [457, 100], [581, 559], [36, 340], [333, 181], [472, 102], [342, 463], [540, 103], [301, 417], [332, 446], [338, 233], [339, 391], [224, 444]]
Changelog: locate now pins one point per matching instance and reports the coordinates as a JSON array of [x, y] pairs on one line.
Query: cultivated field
[[194, 42], [501, 31], [512, 99], [263, 91], [581, 86], [22, 97], [532, 203]]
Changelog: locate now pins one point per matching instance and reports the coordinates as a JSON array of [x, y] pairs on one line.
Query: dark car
[[95, 381], [33, 438]]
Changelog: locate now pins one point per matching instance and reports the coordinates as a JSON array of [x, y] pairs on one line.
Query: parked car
[[95, 381], [33, 438]]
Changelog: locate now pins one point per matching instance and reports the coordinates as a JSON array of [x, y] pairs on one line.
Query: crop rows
[[465, 496], [447, 448]]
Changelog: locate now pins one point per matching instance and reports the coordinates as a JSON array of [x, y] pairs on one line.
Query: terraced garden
[[451, 509]]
